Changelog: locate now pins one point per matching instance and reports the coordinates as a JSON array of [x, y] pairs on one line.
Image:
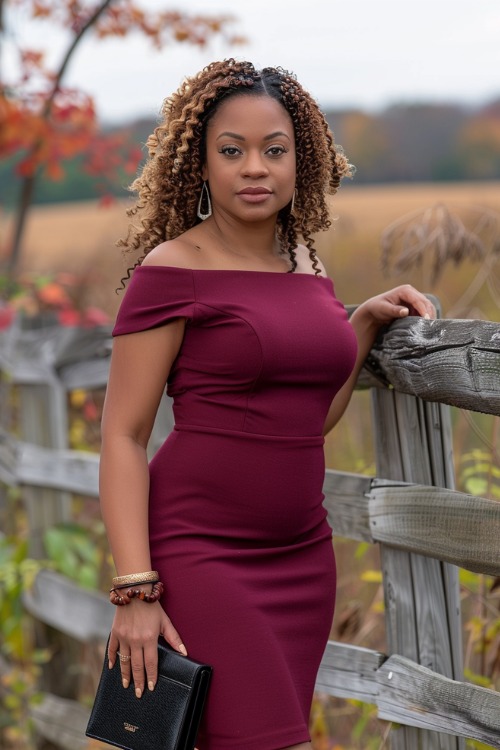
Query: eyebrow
[[238, 137]]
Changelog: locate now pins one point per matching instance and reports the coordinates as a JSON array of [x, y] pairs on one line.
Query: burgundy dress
[[237, 527]]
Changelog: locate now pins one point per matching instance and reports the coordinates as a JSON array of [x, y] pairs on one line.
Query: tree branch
[[28, 183], [69, 53]]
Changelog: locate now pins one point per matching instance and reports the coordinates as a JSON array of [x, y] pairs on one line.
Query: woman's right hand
[[135, 632]]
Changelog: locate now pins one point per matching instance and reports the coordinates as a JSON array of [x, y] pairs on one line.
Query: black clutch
[[166, 718]]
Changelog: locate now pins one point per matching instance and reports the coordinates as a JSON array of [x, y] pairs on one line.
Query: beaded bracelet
[[121, 598]]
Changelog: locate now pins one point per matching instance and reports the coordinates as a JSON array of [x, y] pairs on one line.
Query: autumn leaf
[[106, 200], [54, 170], [53, 295], [68, 318], [7, 314]]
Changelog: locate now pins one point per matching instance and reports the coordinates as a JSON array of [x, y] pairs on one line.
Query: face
[[250, 158]]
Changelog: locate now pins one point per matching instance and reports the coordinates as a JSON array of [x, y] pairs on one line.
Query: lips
[[255, 191]]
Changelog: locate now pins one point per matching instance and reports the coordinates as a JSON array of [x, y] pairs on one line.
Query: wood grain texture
[[83, 614], [421, 596], [433, 521], [411, 694], [72, 357], [346, 501], [61, 721], [8, 459], [461, 529], [73, 471], [43, 420], [349, 672], [454, 362]]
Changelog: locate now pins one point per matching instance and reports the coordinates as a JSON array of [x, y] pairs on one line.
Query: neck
[[251, 241]]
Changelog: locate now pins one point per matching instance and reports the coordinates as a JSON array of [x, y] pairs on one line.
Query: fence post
[[413, 444], [43, 421]]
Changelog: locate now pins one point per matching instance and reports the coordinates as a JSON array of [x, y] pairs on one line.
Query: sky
[[347, 53]]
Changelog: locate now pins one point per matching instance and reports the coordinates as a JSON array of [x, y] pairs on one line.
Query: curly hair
[[169, 185]]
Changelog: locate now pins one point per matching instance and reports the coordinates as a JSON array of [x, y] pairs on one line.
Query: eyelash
[[282, 150], [225, 150]]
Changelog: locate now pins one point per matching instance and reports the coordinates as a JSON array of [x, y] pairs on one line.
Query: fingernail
[[151, 685], [404, 311], [125, 683], [427, 316], [110, 664], [138, 692], [182, 649]]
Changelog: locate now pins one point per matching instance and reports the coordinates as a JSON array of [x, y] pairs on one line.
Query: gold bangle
[[150, 575]]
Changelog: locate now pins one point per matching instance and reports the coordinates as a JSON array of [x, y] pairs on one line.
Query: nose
[[254, 165]]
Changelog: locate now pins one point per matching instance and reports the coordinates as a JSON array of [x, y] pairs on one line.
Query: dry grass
[[81, 237], [351, 249]]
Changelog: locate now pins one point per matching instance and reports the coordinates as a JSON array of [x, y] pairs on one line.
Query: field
[[81, 237]]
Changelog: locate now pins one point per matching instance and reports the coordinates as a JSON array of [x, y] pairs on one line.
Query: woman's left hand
[[399, 302]]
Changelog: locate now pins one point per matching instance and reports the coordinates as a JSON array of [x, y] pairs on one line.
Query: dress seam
[[195, 299], [251, 389], [193, 427]]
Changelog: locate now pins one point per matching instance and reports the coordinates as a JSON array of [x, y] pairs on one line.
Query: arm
[[366, 321], [140, 364]]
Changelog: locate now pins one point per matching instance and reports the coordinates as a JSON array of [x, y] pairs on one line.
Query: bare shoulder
[[304, 262], [179, 253]]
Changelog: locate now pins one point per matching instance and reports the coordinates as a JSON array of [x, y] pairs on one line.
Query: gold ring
[[123, 657]]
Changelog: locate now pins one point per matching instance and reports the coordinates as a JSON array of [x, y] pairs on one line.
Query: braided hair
[[170, 183]]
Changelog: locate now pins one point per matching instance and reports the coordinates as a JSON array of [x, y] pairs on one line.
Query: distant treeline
[[403, 143], [421, 142]]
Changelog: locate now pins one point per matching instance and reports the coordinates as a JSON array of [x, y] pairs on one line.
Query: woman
[[239, 318]]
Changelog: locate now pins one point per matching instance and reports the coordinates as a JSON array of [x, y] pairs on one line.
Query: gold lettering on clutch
[[129, 727]]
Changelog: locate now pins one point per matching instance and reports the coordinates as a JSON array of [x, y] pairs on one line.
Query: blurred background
[[412, 93]]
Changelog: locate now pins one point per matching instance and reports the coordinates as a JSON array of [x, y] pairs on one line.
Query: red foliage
[[7, 315], [44, 124], [59, 298]]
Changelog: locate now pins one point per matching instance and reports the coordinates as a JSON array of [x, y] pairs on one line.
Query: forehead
[[251, 116]]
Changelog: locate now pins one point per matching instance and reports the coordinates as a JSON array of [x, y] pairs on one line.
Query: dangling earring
[[204, 196], [293, 201]]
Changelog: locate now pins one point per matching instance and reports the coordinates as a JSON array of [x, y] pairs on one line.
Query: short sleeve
[[155, 296]]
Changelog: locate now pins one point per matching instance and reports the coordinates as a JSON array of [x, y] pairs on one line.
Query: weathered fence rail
[[453, 362], [424, 527]]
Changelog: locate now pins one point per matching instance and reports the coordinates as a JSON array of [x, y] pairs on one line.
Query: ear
[[204, 173]]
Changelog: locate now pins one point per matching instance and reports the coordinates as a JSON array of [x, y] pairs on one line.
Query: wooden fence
[[424, 528]]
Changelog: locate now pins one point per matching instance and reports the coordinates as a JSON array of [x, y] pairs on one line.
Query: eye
[[230, 150], [276, 150]]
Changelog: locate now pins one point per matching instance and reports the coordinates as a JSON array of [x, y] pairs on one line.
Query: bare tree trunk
[[23, 205], [29, 182]]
